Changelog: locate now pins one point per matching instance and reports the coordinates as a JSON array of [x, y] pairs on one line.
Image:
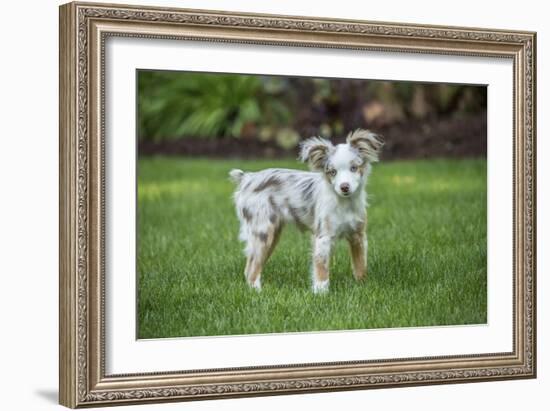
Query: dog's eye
[[332, 173], [353, 169]]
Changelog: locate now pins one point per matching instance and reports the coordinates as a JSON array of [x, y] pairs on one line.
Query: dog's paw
[[256, 285], [320, 287]]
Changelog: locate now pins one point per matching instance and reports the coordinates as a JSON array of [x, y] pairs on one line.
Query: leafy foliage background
[[178, 105]]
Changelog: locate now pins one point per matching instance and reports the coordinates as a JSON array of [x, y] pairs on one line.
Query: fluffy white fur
[[330, 201]]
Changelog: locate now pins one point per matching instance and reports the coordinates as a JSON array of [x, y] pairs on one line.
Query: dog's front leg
[[358, 247], [321, 259]]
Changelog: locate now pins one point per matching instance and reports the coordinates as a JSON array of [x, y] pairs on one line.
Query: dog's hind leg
[[274, 241], [260, 246]]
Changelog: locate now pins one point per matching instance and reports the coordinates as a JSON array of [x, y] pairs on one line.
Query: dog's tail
[[236, 175]]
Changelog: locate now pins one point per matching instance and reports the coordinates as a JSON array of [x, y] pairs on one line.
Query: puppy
[[330, 201]]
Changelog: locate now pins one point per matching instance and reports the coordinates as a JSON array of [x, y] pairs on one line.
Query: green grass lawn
[[427, 255]]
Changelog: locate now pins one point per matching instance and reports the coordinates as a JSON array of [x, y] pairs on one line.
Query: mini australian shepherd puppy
[[330, 201]]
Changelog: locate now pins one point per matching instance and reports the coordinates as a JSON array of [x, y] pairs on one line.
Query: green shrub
[[172, 105]]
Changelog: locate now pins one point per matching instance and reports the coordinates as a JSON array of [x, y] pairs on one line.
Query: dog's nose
[[344, 187]]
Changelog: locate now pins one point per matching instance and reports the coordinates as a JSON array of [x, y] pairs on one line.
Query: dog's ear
[[315, 151], [367, 143]]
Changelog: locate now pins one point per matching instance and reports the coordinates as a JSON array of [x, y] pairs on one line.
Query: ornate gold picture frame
[[84, 28]]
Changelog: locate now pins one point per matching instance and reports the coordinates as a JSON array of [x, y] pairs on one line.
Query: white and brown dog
[[330, 201]]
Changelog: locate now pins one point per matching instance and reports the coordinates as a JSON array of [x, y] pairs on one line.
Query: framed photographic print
[[258, 204]]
